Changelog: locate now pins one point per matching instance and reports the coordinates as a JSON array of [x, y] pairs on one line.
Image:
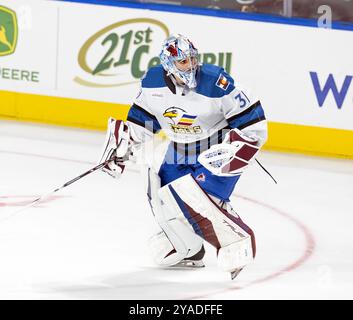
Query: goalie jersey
[[193, 119], [187, 116]]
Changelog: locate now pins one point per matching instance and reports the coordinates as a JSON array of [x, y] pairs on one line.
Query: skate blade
[[189, 264], [235, 273]]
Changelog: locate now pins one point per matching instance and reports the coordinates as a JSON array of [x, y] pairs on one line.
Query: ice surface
[[88, 241]]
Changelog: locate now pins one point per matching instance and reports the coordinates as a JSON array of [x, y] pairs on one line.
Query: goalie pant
[[188, 216], [181, 159]]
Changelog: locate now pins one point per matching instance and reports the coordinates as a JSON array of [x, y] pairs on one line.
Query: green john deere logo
[[8, 31]]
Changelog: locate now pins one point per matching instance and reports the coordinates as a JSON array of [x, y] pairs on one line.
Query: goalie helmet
[[178, 48]]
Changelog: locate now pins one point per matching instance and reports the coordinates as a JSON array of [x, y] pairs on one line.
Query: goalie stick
[[41, 198]]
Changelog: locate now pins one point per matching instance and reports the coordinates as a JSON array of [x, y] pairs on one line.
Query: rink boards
[[85, 66]]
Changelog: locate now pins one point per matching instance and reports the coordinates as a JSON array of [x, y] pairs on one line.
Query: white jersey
[[192, 115]]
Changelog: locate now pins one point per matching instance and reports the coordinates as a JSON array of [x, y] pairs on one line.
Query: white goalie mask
[[178, 48]]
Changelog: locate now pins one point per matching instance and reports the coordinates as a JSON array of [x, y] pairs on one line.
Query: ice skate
[[192, 262]]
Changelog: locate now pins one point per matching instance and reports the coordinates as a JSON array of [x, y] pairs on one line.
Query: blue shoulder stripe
[[154, 78], [252, 115], [210, 81], [143, 118]]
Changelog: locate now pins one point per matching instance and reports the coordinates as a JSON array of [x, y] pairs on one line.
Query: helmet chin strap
[[180, 86], [178, 81]]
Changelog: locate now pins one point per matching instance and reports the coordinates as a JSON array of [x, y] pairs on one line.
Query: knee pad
[[233, 239]]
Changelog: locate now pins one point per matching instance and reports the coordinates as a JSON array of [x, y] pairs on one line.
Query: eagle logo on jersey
[[181, 121], [222, 82], [173, 113]]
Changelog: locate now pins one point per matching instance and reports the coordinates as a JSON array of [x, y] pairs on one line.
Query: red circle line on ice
[[305, 255], [23, 200]]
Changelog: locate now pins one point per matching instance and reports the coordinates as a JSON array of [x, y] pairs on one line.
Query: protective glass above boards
[[336, 10]]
